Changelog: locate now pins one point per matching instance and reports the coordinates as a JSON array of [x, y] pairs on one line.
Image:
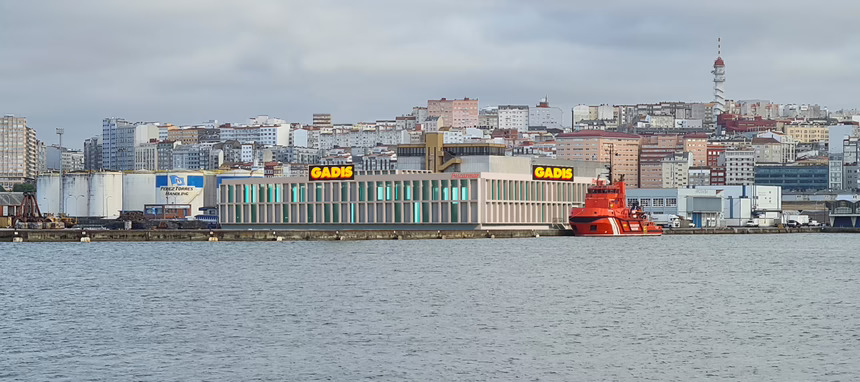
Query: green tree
[[24, 187], [2, 189]]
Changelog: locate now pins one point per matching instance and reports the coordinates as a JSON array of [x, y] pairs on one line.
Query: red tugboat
[[606, 214]]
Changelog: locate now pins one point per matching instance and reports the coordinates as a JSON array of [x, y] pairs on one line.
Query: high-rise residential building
[[146, 156], [19, 152], [514, 117], [93, 154], [740, 167], [676, 170], [321, 121], [545, 115], [111, 143], [488, 119], [60, 158], [618, 149], [456, 113]]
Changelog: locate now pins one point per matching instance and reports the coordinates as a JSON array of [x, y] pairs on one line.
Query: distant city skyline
[[72, 64]]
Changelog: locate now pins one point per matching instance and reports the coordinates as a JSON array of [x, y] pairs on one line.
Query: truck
[[666, 220]]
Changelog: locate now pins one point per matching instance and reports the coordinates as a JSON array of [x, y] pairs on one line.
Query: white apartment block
[[269, 135], [146, 156], [676, 170], [514, 117], [366, 138], [545, 115]]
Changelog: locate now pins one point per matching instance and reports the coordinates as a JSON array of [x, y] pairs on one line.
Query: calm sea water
[[743, 307]]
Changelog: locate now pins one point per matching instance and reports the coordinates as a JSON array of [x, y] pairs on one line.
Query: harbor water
[[721, 307]]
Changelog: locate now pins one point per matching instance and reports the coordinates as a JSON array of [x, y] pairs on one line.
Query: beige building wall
[[807, 133], [597, 146]]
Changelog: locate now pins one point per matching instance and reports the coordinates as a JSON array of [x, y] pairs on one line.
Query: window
[[671, 202], [632, 201], [658, 202], [645, 202]]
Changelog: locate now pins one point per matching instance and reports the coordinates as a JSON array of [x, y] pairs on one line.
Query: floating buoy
[[85, 239]]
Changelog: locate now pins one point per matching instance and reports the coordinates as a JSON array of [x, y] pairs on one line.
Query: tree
[[24, 187], [2, 189]]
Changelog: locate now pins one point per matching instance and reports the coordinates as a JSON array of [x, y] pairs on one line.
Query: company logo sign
[[552, 173], [335, 172], [176, 180]]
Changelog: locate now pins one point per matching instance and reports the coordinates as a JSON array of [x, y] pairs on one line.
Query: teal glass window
[[416, 212], [388, 190], [254, 214], [361, 191], [319, 194], [344, 191], [435, 185], [303, 193], [286, 209], [352, 213], [279, 193], [327, 213], [380, 191], [310, 213], [407, 191], [230, 194], [425, 189], [425, 212], [335, 213], [464, 189], [398, 212], [446, 192], [238, 214], [247, 193], [294, 195], [455, 212]]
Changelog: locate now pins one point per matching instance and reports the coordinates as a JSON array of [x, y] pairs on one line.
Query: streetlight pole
[[60, 132]]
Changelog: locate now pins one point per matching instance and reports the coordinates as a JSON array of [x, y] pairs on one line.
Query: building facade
[[456, 113], [740, 167], [453, 201], [601, 146], [19, 152], [515, 117]]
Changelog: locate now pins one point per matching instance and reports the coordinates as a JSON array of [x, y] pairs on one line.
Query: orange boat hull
[[613, 226]]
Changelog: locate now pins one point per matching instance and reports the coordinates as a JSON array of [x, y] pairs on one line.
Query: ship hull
[[613, 226]]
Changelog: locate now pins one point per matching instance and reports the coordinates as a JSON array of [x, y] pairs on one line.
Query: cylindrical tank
[[48, 193], [138, 189], [76, 190], [105, 197], [180, 187]]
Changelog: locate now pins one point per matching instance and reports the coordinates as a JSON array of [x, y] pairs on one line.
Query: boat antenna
[[611, 154]]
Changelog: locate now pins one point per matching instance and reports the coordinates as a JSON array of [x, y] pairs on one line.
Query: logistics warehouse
[[401, 200]]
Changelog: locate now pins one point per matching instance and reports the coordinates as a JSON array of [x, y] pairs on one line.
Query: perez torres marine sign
[[333, 172], [552, 173]]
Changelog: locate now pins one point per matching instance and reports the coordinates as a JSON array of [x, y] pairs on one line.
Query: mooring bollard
[[212, 237], [279, 238]]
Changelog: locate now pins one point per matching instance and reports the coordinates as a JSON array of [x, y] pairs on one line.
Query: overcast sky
[[71, 63]]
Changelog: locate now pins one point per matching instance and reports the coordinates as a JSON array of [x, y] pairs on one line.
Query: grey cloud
[[70, 64]]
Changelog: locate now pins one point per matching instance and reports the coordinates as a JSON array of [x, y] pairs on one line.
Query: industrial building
[[105, 194], [401, 201], [713, 206]]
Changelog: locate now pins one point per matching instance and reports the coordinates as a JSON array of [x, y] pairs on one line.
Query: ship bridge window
[[594, 228]]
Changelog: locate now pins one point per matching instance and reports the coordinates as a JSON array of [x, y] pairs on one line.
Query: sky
[[72, 63]]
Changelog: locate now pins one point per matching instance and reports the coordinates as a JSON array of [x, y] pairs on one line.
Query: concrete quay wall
[[70, 235], [73, 235]]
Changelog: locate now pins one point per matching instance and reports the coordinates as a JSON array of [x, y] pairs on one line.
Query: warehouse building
[[402, 200]]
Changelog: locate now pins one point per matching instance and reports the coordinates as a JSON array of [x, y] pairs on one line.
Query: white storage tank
[[76, 191], [138, 189], [105, 197], [48, 193], [180, 187]]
